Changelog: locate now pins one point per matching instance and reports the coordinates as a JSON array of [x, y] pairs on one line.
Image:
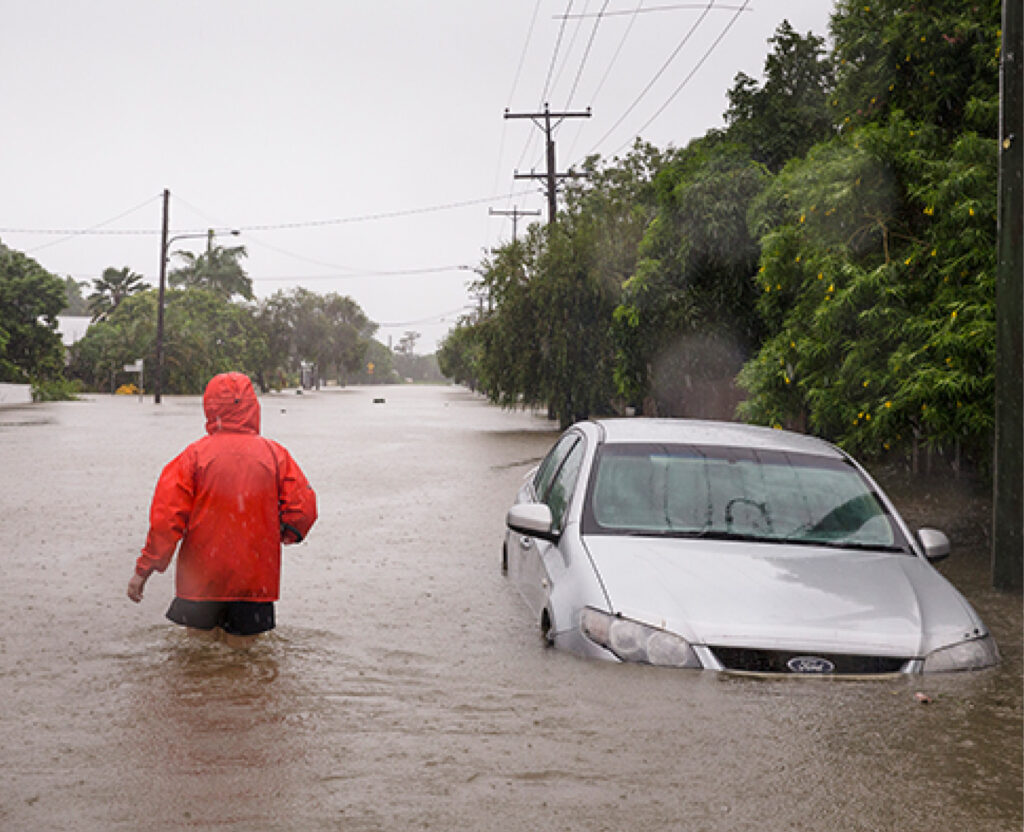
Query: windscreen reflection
[[741, 493]]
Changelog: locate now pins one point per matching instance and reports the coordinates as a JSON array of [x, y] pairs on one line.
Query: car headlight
[[632, 641], [967, 655]]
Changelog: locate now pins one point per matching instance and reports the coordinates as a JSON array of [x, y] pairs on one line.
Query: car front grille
[[780, 661]]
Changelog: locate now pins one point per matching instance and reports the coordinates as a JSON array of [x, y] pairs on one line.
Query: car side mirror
[[533, 520], [934, 543]]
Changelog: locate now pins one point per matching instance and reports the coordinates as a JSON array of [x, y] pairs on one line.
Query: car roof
[[703, 432]]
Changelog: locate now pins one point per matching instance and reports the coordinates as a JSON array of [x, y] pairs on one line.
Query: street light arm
[[194, 235], [165, 247]]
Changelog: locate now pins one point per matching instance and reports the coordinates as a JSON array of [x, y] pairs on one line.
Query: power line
[[615, 57], [547, 83], [263, 244], [441, 318], [568, 53], [607, 73], [311, 260], [634, 12], [657, 75], [515, 86], [693, 72], [96, 231], [384, 215], [426, 270], [522, 55], [554, 56], [363, 274], [71, 234], [91, 230], [586, 54]]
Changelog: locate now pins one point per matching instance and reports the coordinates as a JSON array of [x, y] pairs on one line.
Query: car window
[[719, 492], [551, 464], [564, 485]]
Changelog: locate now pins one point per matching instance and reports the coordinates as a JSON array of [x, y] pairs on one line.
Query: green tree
[[575, 302], [128, 333], [934, 63], [113, 287], [218, 269], [459, 354], [689, 309], [787, 114], [507, 365], [330, 331], [204, 334], [545, 338], [75, 303], [377, 366], [30, 301], [877, 287], [878, 248]]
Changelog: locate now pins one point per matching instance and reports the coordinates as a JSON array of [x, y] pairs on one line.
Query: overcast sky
[[358, 145]]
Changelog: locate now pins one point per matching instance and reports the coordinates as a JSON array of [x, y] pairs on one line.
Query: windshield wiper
[[740, 537], [696, 534], [847, 544]]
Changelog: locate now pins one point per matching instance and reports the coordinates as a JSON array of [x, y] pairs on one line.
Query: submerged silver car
[[734, 548]]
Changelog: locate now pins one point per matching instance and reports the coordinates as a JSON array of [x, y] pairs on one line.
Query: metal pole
[[158, 380], [1008, 477]]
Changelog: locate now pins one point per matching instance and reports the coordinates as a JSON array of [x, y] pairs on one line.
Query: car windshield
[[735, 493]]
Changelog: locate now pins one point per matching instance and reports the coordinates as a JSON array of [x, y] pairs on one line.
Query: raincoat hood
[[230, 404]]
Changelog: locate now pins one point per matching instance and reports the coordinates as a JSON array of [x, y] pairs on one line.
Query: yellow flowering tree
[[876, 283]]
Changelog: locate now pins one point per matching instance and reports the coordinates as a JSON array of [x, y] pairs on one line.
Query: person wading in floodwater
[[232, 498]]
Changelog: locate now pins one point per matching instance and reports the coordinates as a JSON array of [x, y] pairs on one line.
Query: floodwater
[[405, 687]]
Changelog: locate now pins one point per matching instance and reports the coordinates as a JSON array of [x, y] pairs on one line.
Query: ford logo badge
[[810, 664]]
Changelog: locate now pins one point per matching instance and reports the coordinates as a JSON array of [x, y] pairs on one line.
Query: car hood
[[783, 597]]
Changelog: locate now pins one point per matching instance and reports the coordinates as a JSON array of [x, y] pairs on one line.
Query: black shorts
[[238, 618]]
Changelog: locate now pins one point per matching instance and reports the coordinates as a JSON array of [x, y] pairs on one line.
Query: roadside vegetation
[[825, 261], [212, 324]]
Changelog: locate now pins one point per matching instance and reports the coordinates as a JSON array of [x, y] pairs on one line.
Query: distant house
[[72, 328]]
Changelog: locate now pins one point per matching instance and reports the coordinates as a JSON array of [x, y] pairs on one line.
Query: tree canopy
[[831, 251], [30, 300], [205, 334], [218, 269], [113, 287]]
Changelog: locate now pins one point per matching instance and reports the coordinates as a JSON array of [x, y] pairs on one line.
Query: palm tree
[[111, 289], [218, 269]]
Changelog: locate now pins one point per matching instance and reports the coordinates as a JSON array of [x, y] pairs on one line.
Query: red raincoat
[[232, 498]]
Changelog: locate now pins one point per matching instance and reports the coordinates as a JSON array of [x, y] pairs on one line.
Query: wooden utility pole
[[1008, 479], [515, 213], [159, 377], [551, 176]]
